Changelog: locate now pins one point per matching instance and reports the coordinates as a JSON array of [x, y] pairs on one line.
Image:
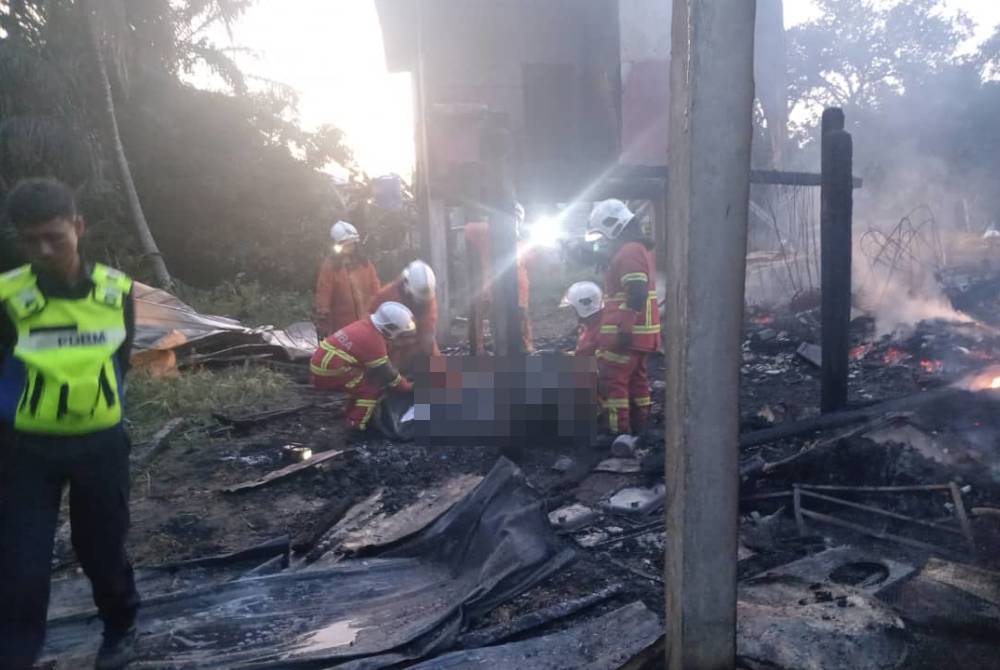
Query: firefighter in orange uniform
[[414, 288], [355, 359], [346, 284], [477, 241], [585, 297], [630, 321]]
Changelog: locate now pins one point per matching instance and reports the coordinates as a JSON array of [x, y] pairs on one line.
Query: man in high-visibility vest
[[65, 336], [355, 360], [630, 321]]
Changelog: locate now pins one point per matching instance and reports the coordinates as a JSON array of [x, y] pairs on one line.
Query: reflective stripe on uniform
[[369, 406], [396, 382], [377, 362], [328, 372], [634, 276], [621, 359], [339, 353], [62, 338], [354, 382], [644, 401], [616, 403]]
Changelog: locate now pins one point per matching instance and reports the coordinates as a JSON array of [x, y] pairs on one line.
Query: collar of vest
[[20, 292]]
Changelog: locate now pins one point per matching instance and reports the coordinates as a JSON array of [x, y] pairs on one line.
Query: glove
[[322, 320], [404, 386], [625, 326]]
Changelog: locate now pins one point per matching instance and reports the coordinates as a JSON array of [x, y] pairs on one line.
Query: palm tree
[[94, 22]]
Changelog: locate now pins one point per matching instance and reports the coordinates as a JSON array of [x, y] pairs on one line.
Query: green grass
[[251, 302], [195, 394]]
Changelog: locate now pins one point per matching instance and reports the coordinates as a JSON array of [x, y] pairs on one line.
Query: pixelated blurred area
[[509, 402]]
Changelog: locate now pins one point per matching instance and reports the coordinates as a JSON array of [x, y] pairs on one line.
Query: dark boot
[[117, 650]]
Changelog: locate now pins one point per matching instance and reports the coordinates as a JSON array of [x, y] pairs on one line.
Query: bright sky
[[334, 59], [986, 13], [330, 51]]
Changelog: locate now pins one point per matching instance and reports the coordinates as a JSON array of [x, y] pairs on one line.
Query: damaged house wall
[[583, 86]]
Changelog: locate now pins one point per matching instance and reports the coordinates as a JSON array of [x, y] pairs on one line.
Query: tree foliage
[[860, 53], [922, 113], [229, 180]]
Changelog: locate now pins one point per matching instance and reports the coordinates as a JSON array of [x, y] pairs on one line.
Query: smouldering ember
[[762, 320], [859, 352], [932, 367], [894, 356]]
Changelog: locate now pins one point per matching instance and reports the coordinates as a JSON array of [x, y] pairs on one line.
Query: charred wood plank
[[533, 620], [284, 472], [327, 518], [877, 534], [879, 512], [963, 517], [159, 442], [844, 418], [253, 420]]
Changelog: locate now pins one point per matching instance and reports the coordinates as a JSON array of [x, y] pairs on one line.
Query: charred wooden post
[[836, 214], [495, 151], [434, 233], [705, 260]]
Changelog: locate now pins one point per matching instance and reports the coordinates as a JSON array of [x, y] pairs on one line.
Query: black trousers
[[33, 471]]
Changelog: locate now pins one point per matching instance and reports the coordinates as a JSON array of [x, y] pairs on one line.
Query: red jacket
[[633, 262], [343, 291], [590, 330], [426, 316], [351, 352]]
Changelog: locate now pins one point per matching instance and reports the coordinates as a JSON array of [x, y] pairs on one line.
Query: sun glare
[[330, 52]]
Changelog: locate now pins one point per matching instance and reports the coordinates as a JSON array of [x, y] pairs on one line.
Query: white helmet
[[585, 297], [342, 232], [608, 218], [393, 319], [419, 281]]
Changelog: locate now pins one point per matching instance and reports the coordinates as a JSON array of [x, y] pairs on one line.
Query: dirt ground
[[179, 510]]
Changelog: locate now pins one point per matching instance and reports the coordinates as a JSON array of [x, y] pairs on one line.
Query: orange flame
[[859, 352], [931, 367]]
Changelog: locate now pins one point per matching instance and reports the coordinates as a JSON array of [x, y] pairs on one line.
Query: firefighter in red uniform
[[414, 288], [355, 359], [630, 321], [477, 241], [585, 297], [346, 284]]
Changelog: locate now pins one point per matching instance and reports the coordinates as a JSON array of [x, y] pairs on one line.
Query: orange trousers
[[351, 380], [624, 390]]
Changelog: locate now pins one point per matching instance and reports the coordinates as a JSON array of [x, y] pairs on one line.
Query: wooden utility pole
[[434, 242], [709, 188], [836, 213], [495, 151]]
